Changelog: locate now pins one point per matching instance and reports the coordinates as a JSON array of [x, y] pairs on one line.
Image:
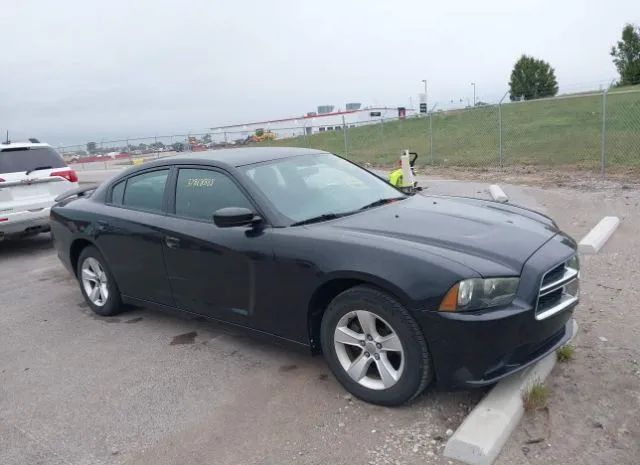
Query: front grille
[[558, 290], [553, 275]]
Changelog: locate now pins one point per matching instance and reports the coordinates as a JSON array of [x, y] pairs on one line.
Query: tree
[[626, 56], [91, 147], [532, 78], [206, 139]]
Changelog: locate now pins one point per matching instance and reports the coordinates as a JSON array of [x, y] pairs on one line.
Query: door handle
[[172, 242]]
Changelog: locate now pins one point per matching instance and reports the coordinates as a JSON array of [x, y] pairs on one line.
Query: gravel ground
[[592, 415]]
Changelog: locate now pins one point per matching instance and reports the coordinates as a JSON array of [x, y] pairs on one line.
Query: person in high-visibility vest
[[396, 179]]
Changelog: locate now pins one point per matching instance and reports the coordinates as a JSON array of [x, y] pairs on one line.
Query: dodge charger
[[397, 291]]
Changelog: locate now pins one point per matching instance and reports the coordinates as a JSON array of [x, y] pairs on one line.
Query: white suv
[[32, 175]]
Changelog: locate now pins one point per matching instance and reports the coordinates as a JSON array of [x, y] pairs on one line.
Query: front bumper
[[24, 222], [472, 351], [478, 348]]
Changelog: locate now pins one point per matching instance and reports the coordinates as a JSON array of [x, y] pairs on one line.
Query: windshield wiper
[[37, 168], [319, 218], [381, 202], [333, 216]]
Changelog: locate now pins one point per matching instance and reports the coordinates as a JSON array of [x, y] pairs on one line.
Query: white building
[[313, 123]]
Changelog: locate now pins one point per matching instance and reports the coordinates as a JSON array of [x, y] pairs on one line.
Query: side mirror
[[235, 216]]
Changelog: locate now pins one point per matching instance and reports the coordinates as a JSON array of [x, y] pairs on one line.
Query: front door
[[213, 271]]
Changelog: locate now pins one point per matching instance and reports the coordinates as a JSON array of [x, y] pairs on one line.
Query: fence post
[[431, 132], [500, 153], [346, 141], [603, 137], [102, 153], [383, 141], [500, 134], [431, 137]]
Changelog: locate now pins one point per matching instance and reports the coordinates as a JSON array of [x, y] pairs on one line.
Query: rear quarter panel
[[70, 220]]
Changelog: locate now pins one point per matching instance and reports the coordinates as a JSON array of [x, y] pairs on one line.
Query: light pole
[[474, 93], [426, 100]]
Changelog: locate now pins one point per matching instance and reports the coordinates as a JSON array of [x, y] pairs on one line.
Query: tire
[[92, 261], [406, 367]]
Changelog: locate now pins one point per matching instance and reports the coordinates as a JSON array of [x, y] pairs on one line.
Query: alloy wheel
[[94, 280], [369, 349]]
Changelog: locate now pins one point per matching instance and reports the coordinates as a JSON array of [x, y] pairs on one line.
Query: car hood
[[456, 228]]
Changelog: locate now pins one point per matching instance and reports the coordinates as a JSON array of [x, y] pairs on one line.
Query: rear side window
[[117, 193], [15, 160], [199, 193], [144, 191]]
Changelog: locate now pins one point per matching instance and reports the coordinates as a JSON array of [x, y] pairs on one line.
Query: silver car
[[32, 175]]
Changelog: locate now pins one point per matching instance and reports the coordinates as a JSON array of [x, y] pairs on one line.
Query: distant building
[[312, 122]]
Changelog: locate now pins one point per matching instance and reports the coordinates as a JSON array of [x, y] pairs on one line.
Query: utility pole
[[474, 93]]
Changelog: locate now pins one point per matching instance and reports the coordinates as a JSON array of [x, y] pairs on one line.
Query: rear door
[[130, 233], [31, 178]]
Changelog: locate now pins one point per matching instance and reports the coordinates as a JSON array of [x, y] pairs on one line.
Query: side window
[[199, 193], [145, 191], [117, 193]]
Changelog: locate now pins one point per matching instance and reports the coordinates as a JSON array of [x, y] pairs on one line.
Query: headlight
[[474, 294]]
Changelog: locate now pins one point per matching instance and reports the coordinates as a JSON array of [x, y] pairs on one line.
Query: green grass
[[536, 397], [565, 353], [562, 131]]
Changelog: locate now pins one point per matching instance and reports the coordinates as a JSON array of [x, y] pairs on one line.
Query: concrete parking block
[[599, 235], [497, 193], [481, 436]]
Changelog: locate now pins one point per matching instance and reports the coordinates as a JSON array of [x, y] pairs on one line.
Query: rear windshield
[[29, 158]]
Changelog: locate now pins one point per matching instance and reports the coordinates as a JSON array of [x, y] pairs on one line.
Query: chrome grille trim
[[565, 299], [569, 275]]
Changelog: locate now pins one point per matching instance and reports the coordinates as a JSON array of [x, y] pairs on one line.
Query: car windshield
[[319, 186], [25, 159]]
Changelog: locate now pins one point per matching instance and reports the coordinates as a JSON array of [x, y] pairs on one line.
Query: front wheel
[[374, 347], [97, 283]]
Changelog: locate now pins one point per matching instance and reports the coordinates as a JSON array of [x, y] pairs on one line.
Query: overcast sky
[[72, 71]]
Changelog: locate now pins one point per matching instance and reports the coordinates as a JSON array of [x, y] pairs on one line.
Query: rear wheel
[[97, 283], [374, 347]]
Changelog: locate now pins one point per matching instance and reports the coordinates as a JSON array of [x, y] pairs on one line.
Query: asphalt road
[[151, 388]]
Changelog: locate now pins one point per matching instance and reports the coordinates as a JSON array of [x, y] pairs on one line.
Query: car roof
[[244, 155]]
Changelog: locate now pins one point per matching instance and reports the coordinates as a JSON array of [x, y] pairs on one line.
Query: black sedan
[[307, 248]]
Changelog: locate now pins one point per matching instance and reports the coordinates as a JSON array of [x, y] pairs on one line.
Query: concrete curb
[[599, 235], [497, 193], [481, 436]]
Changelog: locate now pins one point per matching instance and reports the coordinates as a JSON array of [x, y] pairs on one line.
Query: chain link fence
[[593, 131]]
